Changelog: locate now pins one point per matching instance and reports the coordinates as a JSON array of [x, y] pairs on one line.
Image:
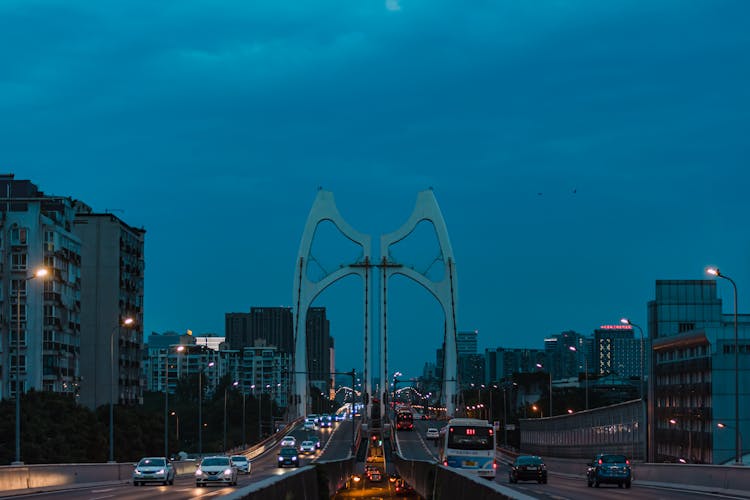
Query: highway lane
[[263, 467], [414, 446], [563, 487]]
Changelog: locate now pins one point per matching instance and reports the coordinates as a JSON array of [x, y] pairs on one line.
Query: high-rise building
[[274, 325], [466, 343], [39, 316], [266, 369], [616, 350], [692, 386], [319, 345], [112, 274], [501, 363], [568, 354]]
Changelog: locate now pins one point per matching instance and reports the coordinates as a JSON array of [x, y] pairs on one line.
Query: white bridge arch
[[306, 291]]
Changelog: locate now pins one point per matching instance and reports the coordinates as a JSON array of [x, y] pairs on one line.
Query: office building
[[617, 351], [692, 387], [501, 363], [273, 325], [112, 274], [466, 343]]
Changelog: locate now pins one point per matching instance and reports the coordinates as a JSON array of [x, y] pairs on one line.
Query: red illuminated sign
[[470, 432], [615, 327]]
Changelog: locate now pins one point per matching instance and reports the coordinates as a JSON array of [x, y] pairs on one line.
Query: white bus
[[469, 444]]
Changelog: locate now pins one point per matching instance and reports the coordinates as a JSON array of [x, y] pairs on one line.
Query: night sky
[[579, 150]]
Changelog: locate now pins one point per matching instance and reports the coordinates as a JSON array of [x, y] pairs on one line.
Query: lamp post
[[200, 409], [166, 399], [673, 421], [39, 273], [126, 322], [722, 426], [714, 271], [586, 373], [260, 430], [243, 417], [626, 321], [177, 417], [541, 367], [234, 384]]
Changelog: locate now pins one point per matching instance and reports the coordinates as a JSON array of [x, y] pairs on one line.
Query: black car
[[528, 468], [288, 457], [610, 469]]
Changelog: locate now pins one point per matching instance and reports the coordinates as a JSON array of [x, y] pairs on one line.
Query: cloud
[[392, 5]]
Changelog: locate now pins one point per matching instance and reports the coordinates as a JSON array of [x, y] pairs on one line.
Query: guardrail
[[59, 476]]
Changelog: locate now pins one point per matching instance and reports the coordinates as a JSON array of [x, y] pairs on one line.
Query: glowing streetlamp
[[200, 408], [127, 322], [714, 271], [586, 374], [39, 273], [626, 321], [541, 367]]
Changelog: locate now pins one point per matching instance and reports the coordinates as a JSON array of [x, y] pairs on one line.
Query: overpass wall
[[617, 428]]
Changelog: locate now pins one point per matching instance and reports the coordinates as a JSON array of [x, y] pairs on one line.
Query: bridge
[[345, 447]]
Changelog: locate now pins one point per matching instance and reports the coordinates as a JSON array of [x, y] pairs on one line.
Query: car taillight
[[627, 462], [445, 462], [494, 465], [600, 461]]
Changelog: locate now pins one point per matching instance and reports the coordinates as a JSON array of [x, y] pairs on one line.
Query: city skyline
[[579, 151]]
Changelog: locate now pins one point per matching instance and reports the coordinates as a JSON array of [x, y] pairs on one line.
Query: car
[[307, 447], [289, 441], [242, 463], [375, 476], [528, 468], [315, 439], [393, 477], [339, 417], [309, 424], [153, 470], [216, 470], [325, 421], [404, 488], [425, 416], [610, 469], [315, 418], [432, 433], [288, 457]]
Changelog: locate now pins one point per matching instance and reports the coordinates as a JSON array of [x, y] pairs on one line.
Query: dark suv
[[528, 468], [288, 457], [612, 469]]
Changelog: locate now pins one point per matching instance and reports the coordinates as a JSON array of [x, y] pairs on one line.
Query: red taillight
[[627, 461], [445, 462], [490, 432], [600, 461], [494, 465]]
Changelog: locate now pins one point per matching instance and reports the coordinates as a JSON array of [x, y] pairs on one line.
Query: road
[[263, 467]]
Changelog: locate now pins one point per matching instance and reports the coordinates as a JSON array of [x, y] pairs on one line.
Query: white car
[[289, 441], [309, 424], [153, 470], [216, 470], [307, 447], [432, 433], [242, 463]]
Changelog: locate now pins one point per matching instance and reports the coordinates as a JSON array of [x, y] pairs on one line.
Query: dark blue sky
[[212, 124]]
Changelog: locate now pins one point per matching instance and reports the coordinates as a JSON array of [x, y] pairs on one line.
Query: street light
[[541, 367], [674, 421], [626, 321], [166, 399], [722, 426], [234, 384], [506, 385], [200, 408], [260, 430], [714, 271], [39, 273], [126, 322], [586, 374], [177, 417]]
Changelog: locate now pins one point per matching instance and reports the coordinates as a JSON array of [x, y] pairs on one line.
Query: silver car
[[242, 463], [307, 447], [216, 470], [153, 470]]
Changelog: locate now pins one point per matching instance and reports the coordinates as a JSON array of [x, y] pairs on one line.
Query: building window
[[18, 236], [18, 261], [685, 327]]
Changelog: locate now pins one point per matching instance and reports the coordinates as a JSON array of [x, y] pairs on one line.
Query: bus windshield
[[470, 438]]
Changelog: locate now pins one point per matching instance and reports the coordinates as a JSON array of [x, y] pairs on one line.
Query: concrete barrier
[[58, 476], [300, 484]]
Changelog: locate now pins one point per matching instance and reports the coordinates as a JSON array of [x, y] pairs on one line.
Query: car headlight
[[294, 458], [228, 472], [161, 471], [137, 472], [199, 472]]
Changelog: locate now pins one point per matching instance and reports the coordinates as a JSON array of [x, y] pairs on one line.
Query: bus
[[404, 420], [469, 444]]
